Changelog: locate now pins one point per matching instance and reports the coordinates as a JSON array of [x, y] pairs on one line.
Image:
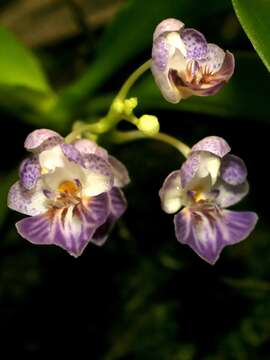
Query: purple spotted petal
[[215, 58], [42, 139], [160, 53], [167, 25], [170, 193], [28, 202], [228, 195], [196, 44], [70, 228], [97, 164], [72, 154], [208, 233], [233, 170], [29, 172], [213, 144], [120, 173], [118, 205], [189, 168], [85, 147]]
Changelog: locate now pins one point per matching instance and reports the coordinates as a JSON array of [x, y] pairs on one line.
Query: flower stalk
[[121, 137]]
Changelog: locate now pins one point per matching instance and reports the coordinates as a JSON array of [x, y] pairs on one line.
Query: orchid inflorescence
[[71, 188]]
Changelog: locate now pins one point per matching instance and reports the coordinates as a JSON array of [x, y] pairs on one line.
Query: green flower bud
[[149, 125]]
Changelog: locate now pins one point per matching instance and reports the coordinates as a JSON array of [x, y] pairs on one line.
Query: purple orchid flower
[[208, 182], [71, 192], [184, 64]]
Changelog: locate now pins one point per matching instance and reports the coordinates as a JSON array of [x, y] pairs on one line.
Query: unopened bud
[[149, 125], [130, 105]]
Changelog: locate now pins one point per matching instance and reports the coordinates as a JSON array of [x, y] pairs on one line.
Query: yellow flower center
[[68, 187]]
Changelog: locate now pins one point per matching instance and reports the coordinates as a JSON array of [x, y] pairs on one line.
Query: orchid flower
[[184, 64], [71, 192], [208, 182]]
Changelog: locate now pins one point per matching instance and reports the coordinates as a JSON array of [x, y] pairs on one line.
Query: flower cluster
[[209, 181], [71, 189], [184, 64], [72, 192]]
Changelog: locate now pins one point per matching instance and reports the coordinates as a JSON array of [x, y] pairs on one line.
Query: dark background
[[142, 295]]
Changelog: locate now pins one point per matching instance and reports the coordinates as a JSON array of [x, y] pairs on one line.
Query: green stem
[[132, 79], [115, 113], [120, 137]]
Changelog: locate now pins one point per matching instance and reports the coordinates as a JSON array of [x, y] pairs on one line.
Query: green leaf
[[254, 16], [18, 66], [131, 33], [245, 96]]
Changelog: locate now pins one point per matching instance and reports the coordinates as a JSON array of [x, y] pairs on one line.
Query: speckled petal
[[72, 154], [29, 172], [41, 139], [28, 202], [98, 176], [214, 59], [118, 205], [160, 53], [196, 44], [213, 144], [120, 173], [85, 146], [228, 195], [70, 228], [208, 234], [189, 168], [233, 170], [170, 193], [167, 25]]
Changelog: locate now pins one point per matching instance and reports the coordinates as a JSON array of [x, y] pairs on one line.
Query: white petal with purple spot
[[233, 170], [213, 144], [40, 139], [85, 146], [72, 154], [214, 59], [29, 172], [28, 202], [98, 176], [195, 44], [228, 195]]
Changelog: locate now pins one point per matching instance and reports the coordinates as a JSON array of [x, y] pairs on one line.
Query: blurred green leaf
[[254, 16], [244, 96], [18, 66], [24, 89], [131, 33]]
